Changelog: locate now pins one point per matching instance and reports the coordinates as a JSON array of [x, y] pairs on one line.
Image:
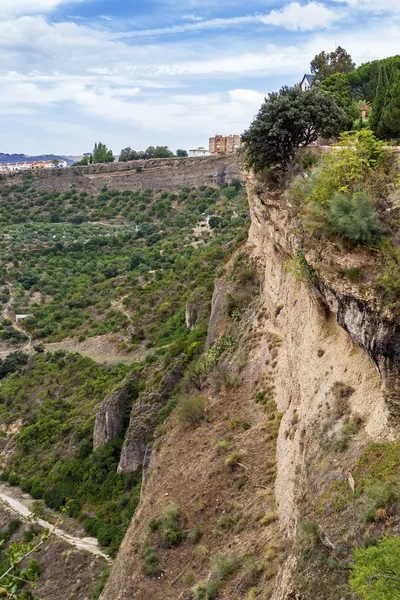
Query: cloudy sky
[[164, 72]]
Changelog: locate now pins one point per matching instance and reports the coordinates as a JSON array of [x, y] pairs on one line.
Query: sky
[[164, 72]]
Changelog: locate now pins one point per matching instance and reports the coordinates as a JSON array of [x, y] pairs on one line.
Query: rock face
[[156, 174], [110, 418], [308, 338], [144, 419], [379, 337], [358, 316]]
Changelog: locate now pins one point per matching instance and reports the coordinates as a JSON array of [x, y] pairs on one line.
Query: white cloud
[[295, 16], [192, 18], [28, 7], [149, 93], [198, 25]]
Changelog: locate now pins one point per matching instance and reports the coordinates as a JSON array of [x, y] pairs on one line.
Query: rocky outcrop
[[144, 419], [359, 315], [197, 308], [110, 417], [156, 174], [216, 325]]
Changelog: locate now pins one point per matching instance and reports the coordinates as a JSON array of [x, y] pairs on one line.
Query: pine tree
[[379, 101]]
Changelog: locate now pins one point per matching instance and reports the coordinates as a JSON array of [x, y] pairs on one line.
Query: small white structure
[[200, 151], [306, 82]]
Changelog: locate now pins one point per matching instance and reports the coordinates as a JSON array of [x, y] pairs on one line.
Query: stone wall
[[157, 174]]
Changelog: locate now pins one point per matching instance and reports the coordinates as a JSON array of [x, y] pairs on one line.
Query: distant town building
[[200, 151], [224, 143], [365, 110], [306, 82], [30, 166]]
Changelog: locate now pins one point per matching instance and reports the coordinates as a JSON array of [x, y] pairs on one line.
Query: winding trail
[[9, 313], [118, 305], [87, 543]]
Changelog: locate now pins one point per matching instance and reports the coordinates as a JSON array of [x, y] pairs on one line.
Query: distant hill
[[7, 158]]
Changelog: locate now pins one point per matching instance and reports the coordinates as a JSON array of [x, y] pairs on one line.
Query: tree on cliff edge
[[101, 154], [288, 120]]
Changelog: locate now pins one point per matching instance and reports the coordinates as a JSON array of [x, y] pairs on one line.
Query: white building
[[200, 151], [306, 82]]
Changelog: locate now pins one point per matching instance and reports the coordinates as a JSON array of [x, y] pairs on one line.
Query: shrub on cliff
[[376, 570], [288, 120], [355, 219], [191, 409]]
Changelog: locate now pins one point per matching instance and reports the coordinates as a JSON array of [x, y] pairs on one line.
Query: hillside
[[213, 397], [104, 280]]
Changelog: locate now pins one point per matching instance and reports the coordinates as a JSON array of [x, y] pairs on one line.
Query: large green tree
[[288, 120], [101, 154], [159, 152], [325, 64], [379, 100], [390, 119], [339, 86], [129, 154]]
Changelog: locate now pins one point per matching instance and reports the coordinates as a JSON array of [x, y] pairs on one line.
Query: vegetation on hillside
[[151, 152], [120, 264]]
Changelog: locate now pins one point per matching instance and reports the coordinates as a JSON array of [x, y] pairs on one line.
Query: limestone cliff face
[[144, 418], [305, 341], [330, 336], [110, 418], [157, 174]]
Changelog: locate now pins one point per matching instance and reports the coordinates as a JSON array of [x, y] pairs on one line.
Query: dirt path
[[89, 544], [8, 313], [118, 304]]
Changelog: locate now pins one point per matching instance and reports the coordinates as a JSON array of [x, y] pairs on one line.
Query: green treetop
[[325, 64], [288, 120], [101, 154]]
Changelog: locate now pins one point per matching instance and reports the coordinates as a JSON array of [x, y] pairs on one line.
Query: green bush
[[205, 591], [92, 526], [380, 496], [14, 480], [224, 566], [355, 219], [194, 534], [376, 570], [74, 509], [26, 485], [54, 498], [151, 562], [37, 492], [154, 524], [191, 410], [171, 532]]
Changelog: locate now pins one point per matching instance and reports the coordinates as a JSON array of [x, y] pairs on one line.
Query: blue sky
[[164, 72]]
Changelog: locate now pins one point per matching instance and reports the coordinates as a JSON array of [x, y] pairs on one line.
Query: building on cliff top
[[224, 143], [306, 82], [200, 151]]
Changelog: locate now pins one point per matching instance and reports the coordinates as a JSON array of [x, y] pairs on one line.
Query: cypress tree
[[390, 124], [379, 100]]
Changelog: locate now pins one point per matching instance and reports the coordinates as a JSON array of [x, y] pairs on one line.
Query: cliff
[[295, 406], [155, 174]]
